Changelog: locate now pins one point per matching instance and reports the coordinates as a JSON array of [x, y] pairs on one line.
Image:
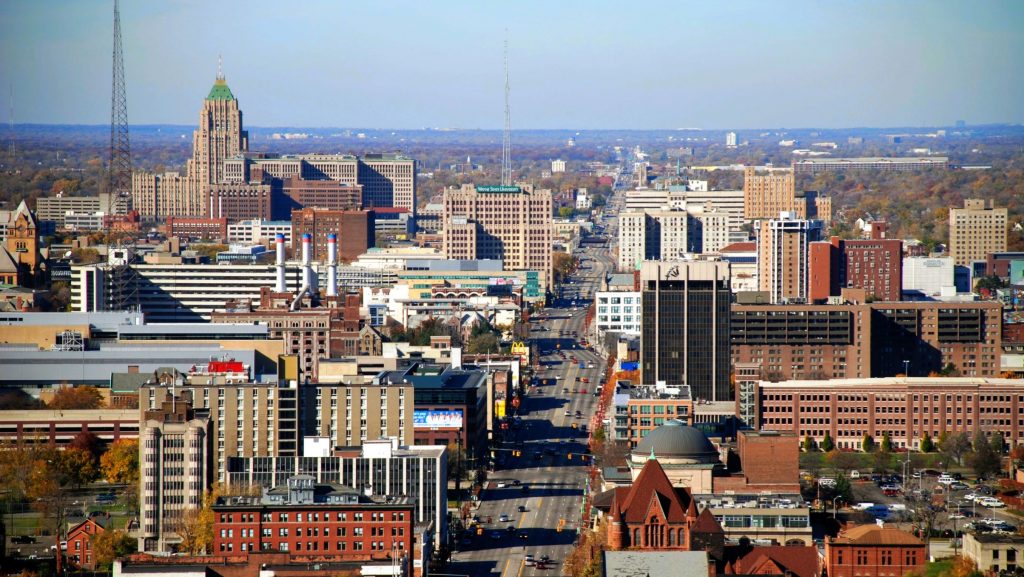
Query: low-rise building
[[620, 312], [905, 409], [79, 548], [874, 551], [994, 553], [304, 517], [651, 406]]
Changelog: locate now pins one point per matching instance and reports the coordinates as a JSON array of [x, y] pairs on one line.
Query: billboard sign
[[430, 419]]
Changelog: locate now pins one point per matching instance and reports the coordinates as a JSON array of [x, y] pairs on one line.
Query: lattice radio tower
[[11, 149], [506, 138], [124, 288]]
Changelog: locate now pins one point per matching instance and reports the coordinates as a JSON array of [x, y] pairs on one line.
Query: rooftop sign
[[498, 189]]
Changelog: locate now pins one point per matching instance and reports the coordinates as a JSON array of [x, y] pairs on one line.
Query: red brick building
[[329, 522], [873, 551], [874, 265], [355, 230], [867, 340], [652, 514], [79, 550], [197, 228], [906, 409], [238, 201], [787, 560]]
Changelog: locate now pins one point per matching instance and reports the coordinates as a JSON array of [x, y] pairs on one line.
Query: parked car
[[827, 482]]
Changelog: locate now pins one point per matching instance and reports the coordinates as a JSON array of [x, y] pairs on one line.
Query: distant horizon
[[556, 129]]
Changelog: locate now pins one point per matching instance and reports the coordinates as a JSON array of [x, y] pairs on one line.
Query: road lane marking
[[507, 561]]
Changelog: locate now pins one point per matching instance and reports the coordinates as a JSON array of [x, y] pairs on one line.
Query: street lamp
[[835, 507], [906, 367]]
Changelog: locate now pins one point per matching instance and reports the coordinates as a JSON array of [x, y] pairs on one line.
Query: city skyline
[[805, 65]]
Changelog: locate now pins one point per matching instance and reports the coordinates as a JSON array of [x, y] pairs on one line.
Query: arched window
[[671, 538]]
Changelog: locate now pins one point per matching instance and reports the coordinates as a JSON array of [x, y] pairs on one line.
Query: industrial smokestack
[[307, 265], [280, 285], [332, 265]]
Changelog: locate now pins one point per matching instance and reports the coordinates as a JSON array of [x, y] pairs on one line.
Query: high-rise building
[[557, 166], [873, 265], [685, 336], [654, 235], [510, 223], [767, 195], [730, 139], [782, 256], [175, 469], [356, 228], [976, 230]]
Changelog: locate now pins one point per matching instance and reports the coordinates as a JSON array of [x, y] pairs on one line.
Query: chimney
[[280, 285], [307, 267], [332, 265]]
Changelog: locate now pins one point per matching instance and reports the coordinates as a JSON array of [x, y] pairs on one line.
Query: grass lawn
[[870, 461], [936, 568]]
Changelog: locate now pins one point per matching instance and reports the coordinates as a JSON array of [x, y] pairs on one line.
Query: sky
[[574, 64]]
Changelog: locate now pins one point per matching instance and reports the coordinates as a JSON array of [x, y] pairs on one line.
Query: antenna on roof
[[506, 138], [220, 67]]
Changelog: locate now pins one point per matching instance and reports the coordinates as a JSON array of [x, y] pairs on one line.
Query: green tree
[[998, 443], [927, 445], [843, 489], [867, 444], [485, 343], [808, 444], [827, 444], [955, 446], [565, 211], [886, 446]]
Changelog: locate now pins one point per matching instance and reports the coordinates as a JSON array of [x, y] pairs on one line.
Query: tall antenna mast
[[506, 139], [11, 151], [119, 183]]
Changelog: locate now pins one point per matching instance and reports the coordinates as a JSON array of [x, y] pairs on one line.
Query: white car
[[992, 503], [502, 485], [971, 497]]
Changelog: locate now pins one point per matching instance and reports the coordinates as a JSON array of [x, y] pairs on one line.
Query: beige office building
[[976, 230], [511, 223], [766, 195], [653, 235]]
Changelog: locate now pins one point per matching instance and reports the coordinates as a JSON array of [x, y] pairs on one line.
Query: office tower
[[765, 196], [685, 336], [782, 256], [511, 223], [730, 139], [354, 229], [174, 460], [976, 230], [557, 166]]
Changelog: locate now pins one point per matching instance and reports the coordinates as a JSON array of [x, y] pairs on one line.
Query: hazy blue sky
[[574, 64]]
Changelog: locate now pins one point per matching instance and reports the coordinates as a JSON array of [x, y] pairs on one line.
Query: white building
[[259, 231], [927, 275], [730, 139], [582, 200], [619, 312], [653, 235], [83, 220]]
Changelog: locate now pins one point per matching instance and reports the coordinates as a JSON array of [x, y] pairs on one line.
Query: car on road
[[523, 535], [510, 529], [567, 413], [522, 508], [991, 503], [502, 485], [545, 558], [528, 560], [516, 482], [956, 516], [503, 518], [958, 486], [23, 539]]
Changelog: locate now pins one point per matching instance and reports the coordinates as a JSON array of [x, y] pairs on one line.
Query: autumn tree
[[87, 441], [120, 463], [843, 461], [76, 467], [808, 444], [110, 545], [955, 446], [84, 397], [195, 526]]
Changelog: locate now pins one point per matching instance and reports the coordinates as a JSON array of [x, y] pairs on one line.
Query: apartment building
[[651, 406], [905, 409], [348, 415], [867, 340], [767, 195], [976, 230], [508, 223], [654, 235], [876, 266], [783, 256], [175, 448]]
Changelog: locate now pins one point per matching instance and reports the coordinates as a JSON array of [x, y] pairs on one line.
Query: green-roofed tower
[[220, 90]]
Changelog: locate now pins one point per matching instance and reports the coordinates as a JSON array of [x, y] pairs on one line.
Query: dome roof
[[676, 439]]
